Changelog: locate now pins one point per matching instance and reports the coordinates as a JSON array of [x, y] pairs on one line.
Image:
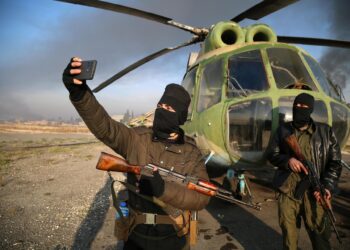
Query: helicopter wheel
[[230, 184], [246, 194], [233, 184]]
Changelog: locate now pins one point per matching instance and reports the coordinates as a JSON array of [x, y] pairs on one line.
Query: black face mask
[[301, 116], [165, 123]]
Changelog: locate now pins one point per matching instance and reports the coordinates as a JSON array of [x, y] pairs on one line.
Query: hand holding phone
[[87, 70]]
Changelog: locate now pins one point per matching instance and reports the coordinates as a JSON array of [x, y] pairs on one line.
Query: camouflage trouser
[[291, 212]]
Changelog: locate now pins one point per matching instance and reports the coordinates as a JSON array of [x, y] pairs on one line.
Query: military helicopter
[[242, 83]]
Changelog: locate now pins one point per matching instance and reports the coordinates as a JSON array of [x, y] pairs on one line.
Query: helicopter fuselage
[[242, 92]]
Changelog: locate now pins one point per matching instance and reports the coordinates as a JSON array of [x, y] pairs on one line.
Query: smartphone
[[87, 70]]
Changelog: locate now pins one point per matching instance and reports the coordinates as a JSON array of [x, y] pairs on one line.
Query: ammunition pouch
[[123, 227]]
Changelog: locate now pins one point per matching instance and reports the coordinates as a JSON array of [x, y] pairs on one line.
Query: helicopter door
[[189, 83], [340, 122], [211, 82]]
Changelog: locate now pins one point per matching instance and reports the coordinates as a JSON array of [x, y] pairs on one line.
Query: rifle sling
[[114, 196]]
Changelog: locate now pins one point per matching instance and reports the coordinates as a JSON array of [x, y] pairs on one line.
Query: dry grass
[[7, 158], [35, 128]]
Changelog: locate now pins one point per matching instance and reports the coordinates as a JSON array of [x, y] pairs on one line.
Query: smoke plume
[[336, 61]]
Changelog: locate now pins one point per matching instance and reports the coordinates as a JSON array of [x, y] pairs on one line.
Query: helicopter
[[242, 83]]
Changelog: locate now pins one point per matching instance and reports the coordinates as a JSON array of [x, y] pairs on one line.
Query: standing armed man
[[318, 145], [165, 145]]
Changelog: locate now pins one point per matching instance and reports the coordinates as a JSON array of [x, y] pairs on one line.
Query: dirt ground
[[52, 197]]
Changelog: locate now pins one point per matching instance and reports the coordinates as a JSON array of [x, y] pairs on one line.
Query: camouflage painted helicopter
[[243, 82]]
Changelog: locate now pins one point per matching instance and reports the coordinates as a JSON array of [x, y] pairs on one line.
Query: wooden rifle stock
[[108, 162], [294, 146]]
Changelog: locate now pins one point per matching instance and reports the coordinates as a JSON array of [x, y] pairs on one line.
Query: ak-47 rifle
[[108, 162], [313, 180]]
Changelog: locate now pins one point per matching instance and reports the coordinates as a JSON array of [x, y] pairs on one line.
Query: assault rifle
[[108, 162], [313, 181]]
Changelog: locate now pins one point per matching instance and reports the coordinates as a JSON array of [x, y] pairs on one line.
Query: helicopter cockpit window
[[288, 70], [340, 122], [321, 78], [188, 83], [250, 128], [210, 85], [246, 74], [286, 110]]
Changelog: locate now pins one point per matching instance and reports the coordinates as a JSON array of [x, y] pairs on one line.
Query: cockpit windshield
[[246, 74], [288, 70], [321, 77]]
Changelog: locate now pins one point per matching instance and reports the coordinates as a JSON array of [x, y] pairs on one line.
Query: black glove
[[152, 185], [76, 91]]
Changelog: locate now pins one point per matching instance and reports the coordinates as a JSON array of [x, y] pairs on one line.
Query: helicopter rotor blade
[[314, 41], [139, 13], [263, 9], [195, 39]]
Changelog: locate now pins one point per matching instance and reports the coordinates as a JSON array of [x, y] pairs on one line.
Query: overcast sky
[[38, 37]]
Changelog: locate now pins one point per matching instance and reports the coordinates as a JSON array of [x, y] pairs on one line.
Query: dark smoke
[[336, 61]]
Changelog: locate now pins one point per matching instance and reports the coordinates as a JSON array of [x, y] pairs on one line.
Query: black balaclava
[[166, 122], [302, 116]]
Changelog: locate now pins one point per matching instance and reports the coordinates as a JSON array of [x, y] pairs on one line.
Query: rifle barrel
[[334, 228], [234, 200]]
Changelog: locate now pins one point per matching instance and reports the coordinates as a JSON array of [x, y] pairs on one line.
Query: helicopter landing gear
[[238, 184]]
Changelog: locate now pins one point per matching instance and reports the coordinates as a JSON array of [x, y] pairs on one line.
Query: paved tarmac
[[224, 226]]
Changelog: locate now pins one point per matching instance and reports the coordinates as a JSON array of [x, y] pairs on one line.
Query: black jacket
[[325, 152]]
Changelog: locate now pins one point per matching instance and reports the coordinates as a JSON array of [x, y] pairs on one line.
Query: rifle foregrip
[[200, 189], [207, 184]]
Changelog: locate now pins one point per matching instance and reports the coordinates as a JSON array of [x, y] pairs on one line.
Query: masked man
[[318, 145], [154, 227]]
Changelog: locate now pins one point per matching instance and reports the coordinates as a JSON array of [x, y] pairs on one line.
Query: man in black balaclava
[[171, 112], [154, 225], [319, 146], [302, 108]]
